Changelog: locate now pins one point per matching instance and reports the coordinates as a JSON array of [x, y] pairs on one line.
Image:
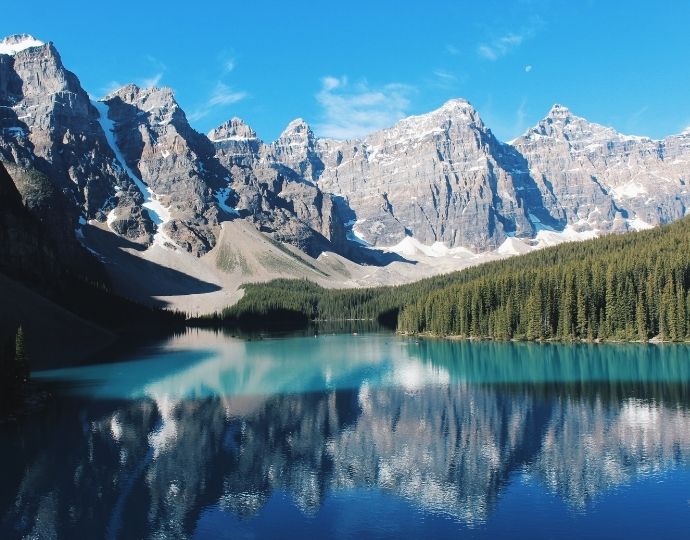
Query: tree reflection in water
[[211, 422]]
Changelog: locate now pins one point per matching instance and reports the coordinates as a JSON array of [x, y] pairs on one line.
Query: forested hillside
[[628, 287]]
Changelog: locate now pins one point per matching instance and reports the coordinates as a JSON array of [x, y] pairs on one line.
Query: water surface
[[209, 436]]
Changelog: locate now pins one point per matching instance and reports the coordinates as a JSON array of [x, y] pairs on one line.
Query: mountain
[[127, 177], [602, 180]]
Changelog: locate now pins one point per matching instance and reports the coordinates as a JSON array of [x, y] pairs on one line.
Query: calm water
[[207, 436]]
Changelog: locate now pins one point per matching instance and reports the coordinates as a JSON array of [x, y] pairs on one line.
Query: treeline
[[623, 287], [14, 368], [620, 287]]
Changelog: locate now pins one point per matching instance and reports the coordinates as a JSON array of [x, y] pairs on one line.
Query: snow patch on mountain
[[412, 248], [158, 213], [13, 44]]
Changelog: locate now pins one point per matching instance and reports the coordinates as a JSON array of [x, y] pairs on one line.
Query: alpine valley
[[180, 219]]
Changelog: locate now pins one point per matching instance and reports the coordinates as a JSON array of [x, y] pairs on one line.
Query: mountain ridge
[[436, 191]]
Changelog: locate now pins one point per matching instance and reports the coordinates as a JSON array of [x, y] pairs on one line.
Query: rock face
[[274, 185], [48, 124], [602, 180], [441, 177], [133, 161], [175, 163]]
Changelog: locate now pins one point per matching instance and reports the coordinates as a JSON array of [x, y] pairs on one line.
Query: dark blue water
[[370, 436]]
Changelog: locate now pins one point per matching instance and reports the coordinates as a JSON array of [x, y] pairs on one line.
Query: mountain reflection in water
[[207, 428]]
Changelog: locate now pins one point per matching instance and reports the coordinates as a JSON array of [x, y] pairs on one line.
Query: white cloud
[[444, 79], [445, 75], [520, 115], [225, 95], [354, 110], [528, 68], [501, 46], [148, 82], [221, 95]]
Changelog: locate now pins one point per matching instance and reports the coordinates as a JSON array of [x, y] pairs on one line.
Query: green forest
[[629, 287]]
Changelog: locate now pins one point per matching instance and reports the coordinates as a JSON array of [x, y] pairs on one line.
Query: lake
[[356, 436]]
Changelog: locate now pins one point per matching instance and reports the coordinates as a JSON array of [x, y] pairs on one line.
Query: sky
[[352, 67]]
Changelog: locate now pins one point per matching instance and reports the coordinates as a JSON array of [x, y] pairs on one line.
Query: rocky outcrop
[[47, 124], [175, 162], [602, 180], [441, 177], [273, 185]]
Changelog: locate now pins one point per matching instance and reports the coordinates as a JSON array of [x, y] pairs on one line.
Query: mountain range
[[182, 219]]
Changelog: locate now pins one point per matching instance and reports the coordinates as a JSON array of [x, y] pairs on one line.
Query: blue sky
[[351, 67]]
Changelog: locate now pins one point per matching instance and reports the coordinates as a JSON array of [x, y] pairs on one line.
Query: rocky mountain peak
[[457, 105], [18, 42], [559, 111], [299, 129], [158, 104], [560, 124], [158, 96], [234, 129], [456, 115]]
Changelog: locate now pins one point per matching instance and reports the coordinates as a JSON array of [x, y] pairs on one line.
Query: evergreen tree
[[21, 357]]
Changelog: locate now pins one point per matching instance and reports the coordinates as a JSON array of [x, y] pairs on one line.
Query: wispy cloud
[[520, 115], [225, 95], [506, 123], [353, 110], [153, 80], [158, 69], [221, 95], [632, 122], [445, 75], [452, 50], [444, 79], [110, 87], [501, 46]]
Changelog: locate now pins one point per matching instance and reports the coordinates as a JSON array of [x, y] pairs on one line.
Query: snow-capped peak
[[298, 124], [456, 103], [18, 42]]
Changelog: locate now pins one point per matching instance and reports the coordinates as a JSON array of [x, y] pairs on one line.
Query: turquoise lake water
[[368, 436]]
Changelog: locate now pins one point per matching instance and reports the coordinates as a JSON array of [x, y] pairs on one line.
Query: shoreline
[[653, 341]]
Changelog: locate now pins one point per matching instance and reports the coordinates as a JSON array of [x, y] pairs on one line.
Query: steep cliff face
[[440, 177], [48, 124], [274, 185], [172, 164], [22, 243], [602, 180]]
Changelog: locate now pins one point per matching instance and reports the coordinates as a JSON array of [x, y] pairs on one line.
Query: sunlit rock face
[[439, 177], [273, 185], [175, 162], [600, 179]]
